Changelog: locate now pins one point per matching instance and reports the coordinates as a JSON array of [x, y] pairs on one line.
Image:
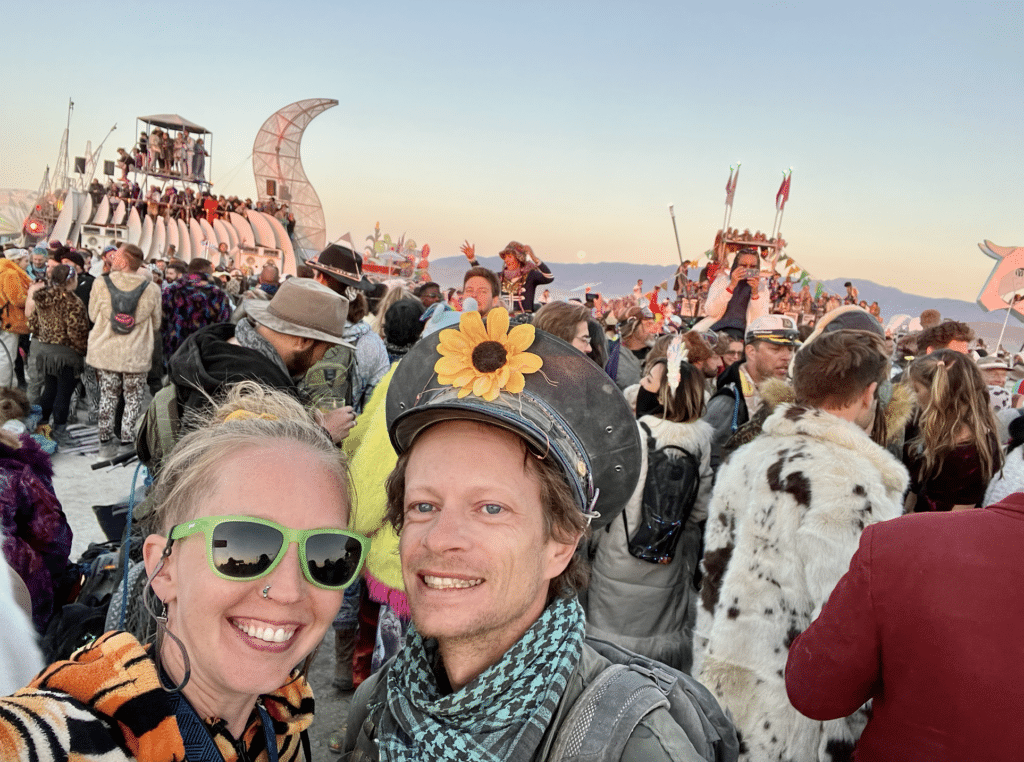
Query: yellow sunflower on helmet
[[485, 361]]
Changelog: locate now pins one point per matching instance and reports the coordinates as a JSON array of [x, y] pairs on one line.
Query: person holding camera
[[737, 297]]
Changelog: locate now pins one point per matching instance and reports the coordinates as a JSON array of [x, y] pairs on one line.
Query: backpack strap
[[607, 712], [651, 444], [133, 295]]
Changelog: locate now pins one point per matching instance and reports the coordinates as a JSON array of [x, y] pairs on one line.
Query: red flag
[[730, 187], [783, 195]]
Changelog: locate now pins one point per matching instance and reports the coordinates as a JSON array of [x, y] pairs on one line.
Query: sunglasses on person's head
[[245, 548]]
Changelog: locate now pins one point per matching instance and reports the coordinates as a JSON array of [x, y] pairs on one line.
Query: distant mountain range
[[618, 278]]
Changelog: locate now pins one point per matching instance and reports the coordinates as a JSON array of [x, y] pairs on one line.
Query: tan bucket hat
[[303, 307]]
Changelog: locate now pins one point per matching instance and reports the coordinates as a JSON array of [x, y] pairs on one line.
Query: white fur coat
[[784, 521], [650, 608]]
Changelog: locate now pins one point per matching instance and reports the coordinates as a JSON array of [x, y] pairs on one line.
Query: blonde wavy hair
[[250, 415], [957, 401]]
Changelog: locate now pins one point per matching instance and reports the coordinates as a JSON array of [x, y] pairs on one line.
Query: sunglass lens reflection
[[244, 550], [332, 558]]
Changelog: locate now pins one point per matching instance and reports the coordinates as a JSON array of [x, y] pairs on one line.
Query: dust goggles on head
[[245, 548]]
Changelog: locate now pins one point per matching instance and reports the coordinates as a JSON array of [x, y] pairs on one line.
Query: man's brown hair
[[200, 265], [563, 519], [836, 367], [942, 335], [488, 275], [133, 255], [560, 319]]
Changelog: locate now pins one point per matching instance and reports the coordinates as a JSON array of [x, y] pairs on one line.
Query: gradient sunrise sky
[[572, 126]]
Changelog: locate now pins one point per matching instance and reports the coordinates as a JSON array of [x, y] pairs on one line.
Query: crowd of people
[[801, 527], [183, 203]]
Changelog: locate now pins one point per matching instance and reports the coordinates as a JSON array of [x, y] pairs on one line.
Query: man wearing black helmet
[[502, 468]]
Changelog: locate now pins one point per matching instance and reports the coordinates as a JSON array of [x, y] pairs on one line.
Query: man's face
[[994, 376], [479, 288], [748, 261], [38, 260], [171, 274], [302, 360], [766, 359], [476, 557], [430, 296], [734, 353], [711, 366]]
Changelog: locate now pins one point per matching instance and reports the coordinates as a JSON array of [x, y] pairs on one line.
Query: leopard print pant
[[111, 383]]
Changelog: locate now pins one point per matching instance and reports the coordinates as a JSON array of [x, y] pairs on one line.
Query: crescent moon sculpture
[[277, 167]]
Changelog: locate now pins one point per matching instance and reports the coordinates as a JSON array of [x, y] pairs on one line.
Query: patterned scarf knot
[[500, 716]]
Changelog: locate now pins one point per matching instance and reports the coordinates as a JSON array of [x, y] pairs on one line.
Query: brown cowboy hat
[[303, 307], [342, 264]]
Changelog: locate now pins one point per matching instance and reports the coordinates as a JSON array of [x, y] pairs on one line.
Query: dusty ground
[[79, 488]]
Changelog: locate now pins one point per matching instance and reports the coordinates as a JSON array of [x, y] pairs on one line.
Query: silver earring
[[266, 590]]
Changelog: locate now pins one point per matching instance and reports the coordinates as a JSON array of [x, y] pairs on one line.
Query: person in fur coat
[[645, 607], [784, 520]]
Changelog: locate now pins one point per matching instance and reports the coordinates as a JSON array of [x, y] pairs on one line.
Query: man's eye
[[492, 510]]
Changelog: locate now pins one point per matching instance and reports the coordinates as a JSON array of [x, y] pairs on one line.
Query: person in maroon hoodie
[[927, 623]]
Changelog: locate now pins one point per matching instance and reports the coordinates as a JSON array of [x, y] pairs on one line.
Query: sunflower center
[[488, 356]]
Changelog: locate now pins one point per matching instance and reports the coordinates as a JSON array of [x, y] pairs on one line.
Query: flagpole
[[728, 208], [1009, 309], [672, 211], [728, 201]]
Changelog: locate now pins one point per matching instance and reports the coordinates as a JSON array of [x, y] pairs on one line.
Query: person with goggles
[[247, 556]]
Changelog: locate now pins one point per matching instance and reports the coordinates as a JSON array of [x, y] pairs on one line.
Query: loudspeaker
[[80, 165], [108, 168], [271, 187]]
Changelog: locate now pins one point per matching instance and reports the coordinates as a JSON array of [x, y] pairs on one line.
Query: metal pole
[[1009, 309]]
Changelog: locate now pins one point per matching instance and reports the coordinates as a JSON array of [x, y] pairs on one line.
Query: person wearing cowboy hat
[[502, 470], [341, 269], [275, 343]]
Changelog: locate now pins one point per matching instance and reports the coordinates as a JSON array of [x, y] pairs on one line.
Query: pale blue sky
[[571, 126]]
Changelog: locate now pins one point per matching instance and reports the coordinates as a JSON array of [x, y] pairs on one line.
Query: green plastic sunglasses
[[244, 548]]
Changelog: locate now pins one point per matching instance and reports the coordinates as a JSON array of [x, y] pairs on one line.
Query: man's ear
[[559, 554], [164, 583], [869, 394]]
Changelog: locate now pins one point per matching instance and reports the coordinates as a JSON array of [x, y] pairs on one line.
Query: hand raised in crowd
[[469, 250], [338, 422]]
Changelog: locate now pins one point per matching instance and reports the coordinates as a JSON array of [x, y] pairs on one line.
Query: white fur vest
[[645, 607], [784, 520]]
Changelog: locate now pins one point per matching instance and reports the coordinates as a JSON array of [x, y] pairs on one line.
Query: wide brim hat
[[567, 409], [342, 264], [303, 307], [992, 362]]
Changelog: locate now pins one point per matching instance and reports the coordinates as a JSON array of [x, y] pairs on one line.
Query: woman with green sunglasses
[[247, 556]]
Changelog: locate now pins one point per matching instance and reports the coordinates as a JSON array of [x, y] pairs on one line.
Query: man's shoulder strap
[[133, 294], [600, 722]]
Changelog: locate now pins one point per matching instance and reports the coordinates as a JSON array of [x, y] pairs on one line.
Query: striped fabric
[[105, 704]]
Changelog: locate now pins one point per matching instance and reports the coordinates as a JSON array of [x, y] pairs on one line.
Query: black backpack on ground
[[670, 491], [123, 305]]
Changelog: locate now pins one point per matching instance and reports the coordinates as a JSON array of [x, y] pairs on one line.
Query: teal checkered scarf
[[500, 716]]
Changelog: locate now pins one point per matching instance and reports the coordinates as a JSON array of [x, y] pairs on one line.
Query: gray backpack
[[604, 716]]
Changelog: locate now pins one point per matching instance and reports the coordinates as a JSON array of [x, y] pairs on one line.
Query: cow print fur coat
[[784, 520]]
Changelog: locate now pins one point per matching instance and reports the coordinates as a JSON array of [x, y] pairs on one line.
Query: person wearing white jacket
[[643, 606]]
